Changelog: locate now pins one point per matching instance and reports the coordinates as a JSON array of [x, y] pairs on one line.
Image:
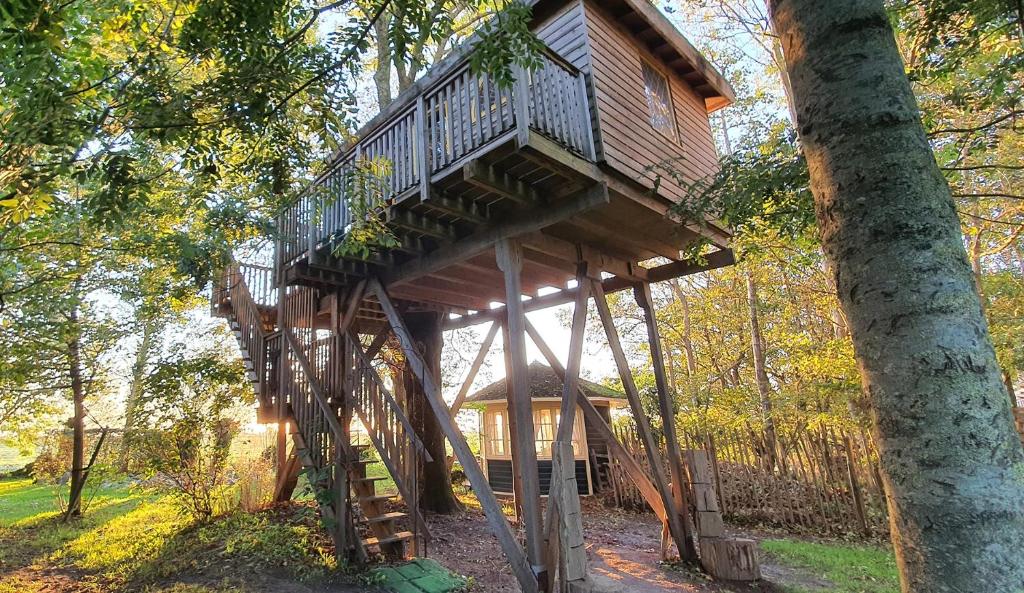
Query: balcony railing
[[460, 116]]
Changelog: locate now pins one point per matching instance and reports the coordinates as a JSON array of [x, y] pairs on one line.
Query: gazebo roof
[[544, 383]]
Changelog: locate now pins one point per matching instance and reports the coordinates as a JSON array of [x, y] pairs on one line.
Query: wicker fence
[[818, 480]]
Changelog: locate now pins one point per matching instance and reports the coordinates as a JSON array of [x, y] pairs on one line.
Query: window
[[544, 430], [659, 101], [545, 427], [497, 441]]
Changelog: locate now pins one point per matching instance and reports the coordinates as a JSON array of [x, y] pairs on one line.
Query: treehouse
[[590, 451], [496, 201]]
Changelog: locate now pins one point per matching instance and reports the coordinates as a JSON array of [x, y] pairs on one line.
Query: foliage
[[848, 568], [185, 402], [758, 189]]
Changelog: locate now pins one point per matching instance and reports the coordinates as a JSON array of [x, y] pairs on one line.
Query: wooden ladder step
[[386, 517], [377, 497], [401, 536], [369, 480]]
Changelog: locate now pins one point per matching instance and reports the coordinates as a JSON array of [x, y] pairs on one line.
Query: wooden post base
[[730, 559]]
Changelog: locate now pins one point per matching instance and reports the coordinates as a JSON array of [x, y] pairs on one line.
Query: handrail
[[455, 116], [318, 395], [392, 403]]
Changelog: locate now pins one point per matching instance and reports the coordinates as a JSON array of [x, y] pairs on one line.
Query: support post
[[513, 432], [643, 425], [642, 293], [510, 260], [564, 520], [488, 501], [521, 104], [590, 413]]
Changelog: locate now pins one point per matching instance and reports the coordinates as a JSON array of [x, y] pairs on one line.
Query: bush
[[192, 457]]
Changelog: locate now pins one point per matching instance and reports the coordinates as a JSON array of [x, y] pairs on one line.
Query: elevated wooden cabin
[[553, 190]]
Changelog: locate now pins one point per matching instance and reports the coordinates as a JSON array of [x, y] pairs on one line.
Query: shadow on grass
[[35, 538], [134, 541]]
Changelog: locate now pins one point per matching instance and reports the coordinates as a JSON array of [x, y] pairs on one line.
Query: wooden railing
[[389, 429], [257, 346], [459, 116]]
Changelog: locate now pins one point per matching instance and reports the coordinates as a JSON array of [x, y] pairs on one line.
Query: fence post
[[858, 499]]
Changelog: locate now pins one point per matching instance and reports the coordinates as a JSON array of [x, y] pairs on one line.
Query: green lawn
[[130, 537], [850, 568]]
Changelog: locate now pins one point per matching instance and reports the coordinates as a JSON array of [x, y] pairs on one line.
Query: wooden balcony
[[459, 162]]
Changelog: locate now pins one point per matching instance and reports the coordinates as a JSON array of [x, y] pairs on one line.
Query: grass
[[850, 568], [140, 540]]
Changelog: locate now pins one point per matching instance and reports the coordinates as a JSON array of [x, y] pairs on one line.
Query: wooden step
[[401, 536], [377, 497], [368, 480], [386, 517]]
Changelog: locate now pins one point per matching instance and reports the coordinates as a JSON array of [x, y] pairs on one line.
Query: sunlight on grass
[[118, 546], [852, 569], [378, 470]]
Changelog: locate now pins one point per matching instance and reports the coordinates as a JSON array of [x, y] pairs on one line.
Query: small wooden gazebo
[[590, 449]]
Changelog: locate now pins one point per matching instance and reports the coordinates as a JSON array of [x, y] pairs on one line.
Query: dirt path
[[622, 548]]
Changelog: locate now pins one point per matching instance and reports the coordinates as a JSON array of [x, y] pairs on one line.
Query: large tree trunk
[[951, 457], [78, 420], [435, 482]]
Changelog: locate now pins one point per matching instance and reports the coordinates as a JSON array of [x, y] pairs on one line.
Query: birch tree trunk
[[131, 406], [760, 372], [952, 461]]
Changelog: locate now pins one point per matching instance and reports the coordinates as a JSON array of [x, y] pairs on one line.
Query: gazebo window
[[497, 438], [544, 430]]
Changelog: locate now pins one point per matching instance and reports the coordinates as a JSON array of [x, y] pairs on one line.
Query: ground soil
[[623, 549]]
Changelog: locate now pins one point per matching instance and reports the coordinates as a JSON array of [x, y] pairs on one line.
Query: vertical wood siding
[[628, 143]]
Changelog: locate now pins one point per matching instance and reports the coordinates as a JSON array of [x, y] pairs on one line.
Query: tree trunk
[[760, 373], [435, 483], [950, 454], [382, 73], [78, 420], [149, 332]]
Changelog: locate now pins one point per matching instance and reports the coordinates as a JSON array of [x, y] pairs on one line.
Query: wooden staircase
[[319, 378]]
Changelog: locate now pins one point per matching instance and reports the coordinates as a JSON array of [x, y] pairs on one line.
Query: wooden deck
[[460, 163]]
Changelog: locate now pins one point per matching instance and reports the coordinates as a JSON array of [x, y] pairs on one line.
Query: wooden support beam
[[355, 299], [711, 261], [643, 425], [410, 221], [510, 260], [492, 508], [642, 293], [563, 520], [597, 260], [571, 381], [463, 208], [632, 467], [441, 296], [525, 222], [487, 177], [474, 368]]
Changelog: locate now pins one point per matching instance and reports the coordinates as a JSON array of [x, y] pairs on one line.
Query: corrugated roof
[[543, 383]]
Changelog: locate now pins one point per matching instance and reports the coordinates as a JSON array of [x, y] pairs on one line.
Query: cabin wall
[[626, 140], [565, 32]]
